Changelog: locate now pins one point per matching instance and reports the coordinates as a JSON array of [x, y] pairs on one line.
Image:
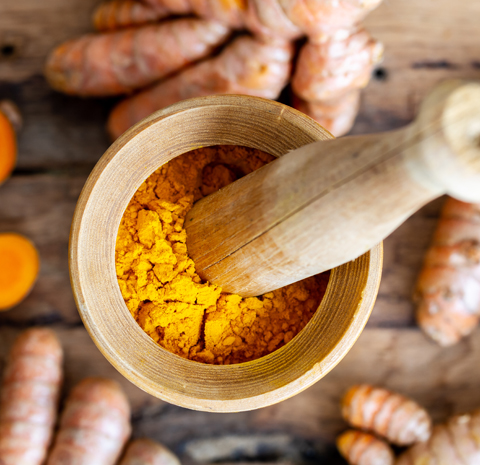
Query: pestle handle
[[329, 202]]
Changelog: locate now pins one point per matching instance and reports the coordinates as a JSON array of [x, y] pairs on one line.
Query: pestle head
[[448, 125]]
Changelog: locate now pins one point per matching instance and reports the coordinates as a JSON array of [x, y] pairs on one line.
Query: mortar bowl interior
[[168, 133]]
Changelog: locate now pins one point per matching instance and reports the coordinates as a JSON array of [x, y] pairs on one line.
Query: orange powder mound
[[165, 295]]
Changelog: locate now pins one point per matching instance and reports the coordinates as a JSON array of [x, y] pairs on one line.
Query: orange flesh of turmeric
[[19, 265], [8, 148]]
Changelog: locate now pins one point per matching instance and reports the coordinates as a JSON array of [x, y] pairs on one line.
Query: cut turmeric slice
[[8, 147], [19, 265]]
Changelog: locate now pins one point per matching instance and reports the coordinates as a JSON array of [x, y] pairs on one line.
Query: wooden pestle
[[329, 202]]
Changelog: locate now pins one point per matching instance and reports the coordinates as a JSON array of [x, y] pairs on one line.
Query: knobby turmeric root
[[326, 69], [322, 20], [398, 419], [286, 19], [28, 402], [9, 117], [336, 115], [19, 265], [94, 425], [119, 62], [336, 61], [329, 75], [247, 66], [147, 452], [448, 288], [118, 14], [360, 448], [457, 442], [263, 17]]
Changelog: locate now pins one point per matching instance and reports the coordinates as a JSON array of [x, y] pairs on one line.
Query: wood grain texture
[[426, 41], [33, 28], [59, 132], [41, 207]]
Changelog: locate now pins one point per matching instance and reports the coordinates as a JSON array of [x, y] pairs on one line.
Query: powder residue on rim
[[161, 288]]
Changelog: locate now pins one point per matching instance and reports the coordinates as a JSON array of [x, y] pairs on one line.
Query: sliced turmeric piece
[[19, 265], [8, 147]]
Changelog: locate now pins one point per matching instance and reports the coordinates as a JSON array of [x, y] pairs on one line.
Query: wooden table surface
[[426, 41]]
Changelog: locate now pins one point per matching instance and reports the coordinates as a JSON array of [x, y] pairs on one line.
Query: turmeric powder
[[161, 288]]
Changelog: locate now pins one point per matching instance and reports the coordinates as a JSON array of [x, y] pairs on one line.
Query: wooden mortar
[[168, 133]]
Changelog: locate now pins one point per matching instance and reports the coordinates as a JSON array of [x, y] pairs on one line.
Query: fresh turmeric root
[[247, 66], [8, 139], [94, 425], [457, 442], [336, 115], [360, 448], [119, 62], [118, 14], [28, 403], [322, 20], [392, 416], [287, 19], [326, 69], [147, 452], [19, 265], [336, 61], [448, 288], [329, 76], [262, 17]]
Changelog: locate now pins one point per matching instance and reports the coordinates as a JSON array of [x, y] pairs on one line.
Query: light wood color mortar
[[219, 120]]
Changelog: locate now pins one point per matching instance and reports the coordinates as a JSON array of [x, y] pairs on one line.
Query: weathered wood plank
[[29, 29], [59, 131], [425, 42], [41, 207], [403, 257]]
